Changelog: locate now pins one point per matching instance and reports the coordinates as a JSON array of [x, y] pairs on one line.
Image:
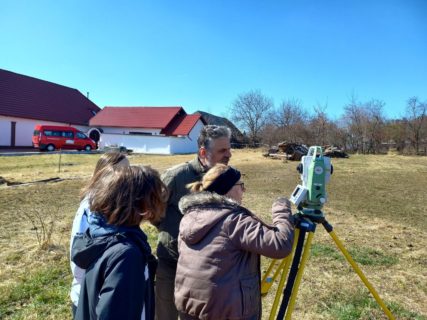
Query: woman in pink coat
[[220, 243]]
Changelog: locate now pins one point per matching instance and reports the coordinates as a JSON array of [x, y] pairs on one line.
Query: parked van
[[60, 137]]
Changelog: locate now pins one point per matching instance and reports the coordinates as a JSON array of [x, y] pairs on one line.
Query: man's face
[[219, 152]]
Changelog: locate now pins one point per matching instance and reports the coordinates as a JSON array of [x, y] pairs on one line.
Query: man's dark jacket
[[176, 179], [116, 285]]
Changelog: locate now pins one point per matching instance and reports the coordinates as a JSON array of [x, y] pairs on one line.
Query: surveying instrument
[[315, 171]]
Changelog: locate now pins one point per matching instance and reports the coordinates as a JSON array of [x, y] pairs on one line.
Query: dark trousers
[[165, 283], [73, 309]]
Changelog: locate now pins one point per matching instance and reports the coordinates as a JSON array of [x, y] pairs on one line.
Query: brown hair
[[208, 178], [111, 158], [127, 195]]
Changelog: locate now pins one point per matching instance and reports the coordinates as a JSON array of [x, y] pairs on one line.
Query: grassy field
[[377, 205]]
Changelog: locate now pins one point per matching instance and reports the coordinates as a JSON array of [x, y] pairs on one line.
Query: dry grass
[[376, 204]]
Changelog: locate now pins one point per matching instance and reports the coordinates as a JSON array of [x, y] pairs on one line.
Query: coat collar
[[206, 199], [197, 165]]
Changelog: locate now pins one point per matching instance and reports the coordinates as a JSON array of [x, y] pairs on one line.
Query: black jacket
[[117, 284]]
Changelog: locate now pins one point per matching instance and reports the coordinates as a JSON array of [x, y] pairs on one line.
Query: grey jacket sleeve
[[169, 180], [249, 233]]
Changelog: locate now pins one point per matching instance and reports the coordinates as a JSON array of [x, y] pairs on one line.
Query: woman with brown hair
[[114, 250], [220, 243], [80, 223]]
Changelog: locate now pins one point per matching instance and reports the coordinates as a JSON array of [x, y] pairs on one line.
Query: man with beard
[[214, 147]]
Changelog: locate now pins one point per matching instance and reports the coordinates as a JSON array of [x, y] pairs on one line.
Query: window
[[67, 134], [48, 133], [81, 135], [36, 132], [141, 133]]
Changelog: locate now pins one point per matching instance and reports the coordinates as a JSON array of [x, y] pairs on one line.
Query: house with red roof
[[26, 101], [155, 130]]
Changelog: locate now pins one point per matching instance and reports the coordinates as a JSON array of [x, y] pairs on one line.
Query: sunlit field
[[377, 205]]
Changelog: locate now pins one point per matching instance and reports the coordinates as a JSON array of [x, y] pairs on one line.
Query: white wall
[[24, 130], [150, 144], [5, 131], [138, 143], [153, 144], [187, 144]]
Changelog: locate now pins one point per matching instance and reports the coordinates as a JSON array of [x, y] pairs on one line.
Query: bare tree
[[396, 132], [355, 118], [338, 134], [251, 111], [374, 125], [291, 120], [416, 113], [270, 134], [319, 126]]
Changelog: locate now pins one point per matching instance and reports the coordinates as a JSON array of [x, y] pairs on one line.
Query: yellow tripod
[[307, 220]]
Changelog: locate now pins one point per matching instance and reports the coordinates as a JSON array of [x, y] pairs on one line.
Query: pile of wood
[[334, 152], [295, 151], [287, 151]]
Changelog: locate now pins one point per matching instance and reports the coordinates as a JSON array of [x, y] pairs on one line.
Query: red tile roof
[[27, 97], [183, 125], [172, 121], [135, 117]]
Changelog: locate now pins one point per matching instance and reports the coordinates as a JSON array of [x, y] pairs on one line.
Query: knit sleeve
[[249, 233]]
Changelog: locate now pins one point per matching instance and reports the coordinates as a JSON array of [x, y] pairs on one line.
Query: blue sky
[[203, 54]]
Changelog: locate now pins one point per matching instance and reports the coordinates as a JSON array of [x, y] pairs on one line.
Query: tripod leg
[[267, 280], [292, 274], [359, 272], [284, 267], [303, 262]]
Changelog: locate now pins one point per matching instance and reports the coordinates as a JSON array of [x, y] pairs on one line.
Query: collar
[[198, 166]]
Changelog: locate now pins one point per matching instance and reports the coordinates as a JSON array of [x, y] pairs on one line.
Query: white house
[[27, 101], [155, 130]]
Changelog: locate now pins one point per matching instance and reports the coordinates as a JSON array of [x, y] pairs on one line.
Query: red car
[[49, 138]]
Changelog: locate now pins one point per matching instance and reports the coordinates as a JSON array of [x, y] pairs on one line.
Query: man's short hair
[[210, 133]]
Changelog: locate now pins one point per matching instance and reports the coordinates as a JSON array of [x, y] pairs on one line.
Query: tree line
[[362, 128]]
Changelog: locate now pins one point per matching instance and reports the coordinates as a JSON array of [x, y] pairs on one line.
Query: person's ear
[[202, 152]]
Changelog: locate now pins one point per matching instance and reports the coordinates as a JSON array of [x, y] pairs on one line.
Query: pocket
[[250, 288]]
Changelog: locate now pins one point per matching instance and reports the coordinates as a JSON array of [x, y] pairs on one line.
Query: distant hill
[[236, 135]]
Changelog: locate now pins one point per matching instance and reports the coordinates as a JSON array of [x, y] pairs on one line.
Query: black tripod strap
[[287, 292]]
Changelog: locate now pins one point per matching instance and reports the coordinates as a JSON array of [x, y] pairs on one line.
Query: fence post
[[59, 162]]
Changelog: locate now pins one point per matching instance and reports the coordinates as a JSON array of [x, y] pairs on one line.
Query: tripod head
[[315, 172]]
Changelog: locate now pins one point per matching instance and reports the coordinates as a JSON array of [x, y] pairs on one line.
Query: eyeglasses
[[241, 184]]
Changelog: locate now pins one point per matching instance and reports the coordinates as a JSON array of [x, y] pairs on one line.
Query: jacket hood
[[89, 246], [202, 211]]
